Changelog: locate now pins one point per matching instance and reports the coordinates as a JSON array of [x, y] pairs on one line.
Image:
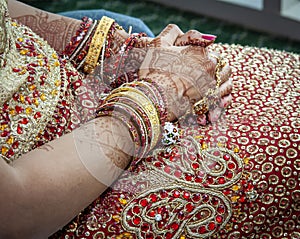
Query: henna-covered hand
[[185, 71]]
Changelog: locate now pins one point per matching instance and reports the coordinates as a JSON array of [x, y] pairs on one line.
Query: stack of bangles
[[211, 100], [141, 106], [91, 39]]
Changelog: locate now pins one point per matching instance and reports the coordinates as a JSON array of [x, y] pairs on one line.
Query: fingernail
[[209, 37]]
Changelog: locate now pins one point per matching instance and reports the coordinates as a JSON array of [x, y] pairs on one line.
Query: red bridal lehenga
[[237, 178]]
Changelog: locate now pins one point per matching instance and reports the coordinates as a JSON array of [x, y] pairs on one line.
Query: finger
[[226, 101], [169, 35], [215, 114], [196, 38], [226, 88], [225, 73]]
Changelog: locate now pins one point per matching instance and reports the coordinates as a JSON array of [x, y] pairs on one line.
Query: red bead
[[221, 180], [16, 69], [221, 209], [205, 198], [19, 109], [226, 157], [169, 235], [188, 177], [215, 201], [152, 213], [143, 202], [242, 199], [10, 153], [198, 180], [175, 226], [186, 195], [4, 133], [148, 236], [24, 121], [210, 180], [196, 197], [19, 129], [167, 169], [163, 194], [202, 230], [177, 174], [153, 197], [229, 174], [211, 226], [219, 219], [136, 210], [15, 144], [136, 220], [195, 166], [176, 194], [37, 115], [189, 207], [231, 166], [158, 164]]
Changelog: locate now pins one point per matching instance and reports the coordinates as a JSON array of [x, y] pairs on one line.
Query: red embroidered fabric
[[238, 178]]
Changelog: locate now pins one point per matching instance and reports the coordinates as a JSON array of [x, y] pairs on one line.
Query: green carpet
[[157, 16]]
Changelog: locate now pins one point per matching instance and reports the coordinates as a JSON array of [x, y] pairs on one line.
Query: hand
[[185, 72]]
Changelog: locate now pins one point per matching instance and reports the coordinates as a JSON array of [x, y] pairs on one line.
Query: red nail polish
[[209, 37]]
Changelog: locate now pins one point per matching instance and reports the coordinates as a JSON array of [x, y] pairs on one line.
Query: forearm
[[55, 29], [47, 187]]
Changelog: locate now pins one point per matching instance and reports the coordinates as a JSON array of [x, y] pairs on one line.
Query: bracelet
[[97, 43], [145, 104], [79, 54], [115, 79], [211, 99], [132, 120], [79, 35], [138, 106], [155, 94]]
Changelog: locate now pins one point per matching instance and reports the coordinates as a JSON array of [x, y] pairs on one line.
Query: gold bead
[[12, 112], [28, 110], [57, 82], [22, 98], [32, 87], [3, 127], [10, 140], [4, 150], [235, 198], [54, 92], [123, 201], [23, 52], [43, 97], [54, 56], [56, 63]]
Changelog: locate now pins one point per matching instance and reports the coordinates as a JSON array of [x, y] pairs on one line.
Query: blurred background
[[157, 14]]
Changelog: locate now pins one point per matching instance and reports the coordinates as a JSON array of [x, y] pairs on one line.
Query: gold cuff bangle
[[97, 43]]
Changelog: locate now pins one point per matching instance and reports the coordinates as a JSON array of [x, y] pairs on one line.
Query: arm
[[55, 29], [46, 188]]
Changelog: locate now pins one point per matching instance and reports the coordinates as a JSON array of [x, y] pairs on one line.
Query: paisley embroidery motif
[[196, 203], [171, 211]]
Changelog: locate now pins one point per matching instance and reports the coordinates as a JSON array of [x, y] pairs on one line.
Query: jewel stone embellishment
[[198, 201]]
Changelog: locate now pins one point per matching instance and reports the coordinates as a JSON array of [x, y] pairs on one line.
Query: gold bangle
[[142, 100], [97, 43]]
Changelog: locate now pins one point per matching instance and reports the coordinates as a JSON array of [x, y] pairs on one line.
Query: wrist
[[140, 106]]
